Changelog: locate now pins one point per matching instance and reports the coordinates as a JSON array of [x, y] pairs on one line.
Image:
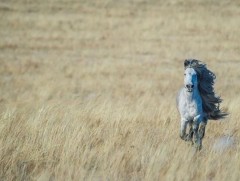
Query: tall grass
[[88, 89]]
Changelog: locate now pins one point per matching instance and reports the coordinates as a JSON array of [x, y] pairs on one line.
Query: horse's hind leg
[[201, 130], [196, 136]]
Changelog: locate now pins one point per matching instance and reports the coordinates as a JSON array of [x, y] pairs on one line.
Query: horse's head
[[190, 75], [190, 79]]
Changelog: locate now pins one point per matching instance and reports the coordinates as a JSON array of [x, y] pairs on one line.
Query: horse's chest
[[191, 109]]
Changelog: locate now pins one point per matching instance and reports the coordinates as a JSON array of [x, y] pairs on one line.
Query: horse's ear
[[186, 63], [194, 62]]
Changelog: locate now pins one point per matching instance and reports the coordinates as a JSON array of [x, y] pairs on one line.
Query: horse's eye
[[184, 74]]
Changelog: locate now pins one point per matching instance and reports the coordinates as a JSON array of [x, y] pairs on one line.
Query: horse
[[197, 102]]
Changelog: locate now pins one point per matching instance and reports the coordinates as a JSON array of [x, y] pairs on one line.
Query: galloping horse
[[197, 102]]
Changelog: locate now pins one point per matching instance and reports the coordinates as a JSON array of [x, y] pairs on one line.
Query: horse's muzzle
[[189, 87]]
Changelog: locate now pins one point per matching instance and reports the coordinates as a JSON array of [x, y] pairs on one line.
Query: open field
[[87, 89]]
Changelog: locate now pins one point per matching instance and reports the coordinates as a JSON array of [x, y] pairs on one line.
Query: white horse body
[[190, 105], [193, 109]]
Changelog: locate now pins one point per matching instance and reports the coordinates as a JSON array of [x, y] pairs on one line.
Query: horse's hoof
[[188, 137]]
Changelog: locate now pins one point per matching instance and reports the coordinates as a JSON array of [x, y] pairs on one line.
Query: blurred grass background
[[88, 89]]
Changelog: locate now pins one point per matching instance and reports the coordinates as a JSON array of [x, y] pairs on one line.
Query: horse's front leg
[[183, 128], [190, 133], [196, 137]]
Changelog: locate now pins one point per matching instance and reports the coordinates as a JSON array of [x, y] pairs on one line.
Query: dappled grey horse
[[197, 102]]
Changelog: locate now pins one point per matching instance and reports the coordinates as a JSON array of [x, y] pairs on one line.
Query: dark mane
[[211, 102]]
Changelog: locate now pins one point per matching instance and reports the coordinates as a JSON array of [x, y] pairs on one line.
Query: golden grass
[[88, 89]]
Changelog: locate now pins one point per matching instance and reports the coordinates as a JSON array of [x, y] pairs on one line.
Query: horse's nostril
[[190, 86]]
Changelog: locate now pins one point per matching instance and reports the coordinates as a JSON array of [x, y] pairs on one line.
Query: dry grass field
[[87, 89]]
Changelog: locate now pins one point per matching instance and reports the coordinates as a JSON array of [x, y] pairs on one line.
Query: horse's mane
[[211, 102]]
